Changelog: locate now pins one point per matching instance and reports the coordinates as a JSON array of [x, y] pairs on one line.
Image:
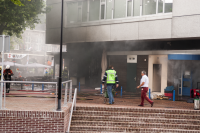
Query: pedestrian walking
[[111, 79], [144, 84]]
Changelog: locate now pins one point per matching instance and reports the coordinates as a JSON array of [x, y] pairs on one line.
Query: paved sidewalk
[[134, 102], [30, 104], [42, 102]]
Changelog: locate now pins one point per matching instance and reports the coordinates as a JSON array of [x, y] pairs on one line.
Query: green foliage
[[17, 15], [17, 2]]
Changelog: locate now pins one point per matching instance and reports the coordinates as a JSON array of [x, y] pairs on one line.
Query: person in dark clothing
[[7, 76], [111, 79], [65, 74]]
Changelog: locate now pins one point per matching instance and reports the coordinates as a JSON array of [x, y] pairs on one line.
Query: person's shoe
[[113, 102], [152, 105], [108, 104], [141, 105]]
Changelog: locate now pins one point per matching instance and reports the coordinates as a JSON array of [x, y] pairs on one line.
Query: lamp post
[[60, 70]]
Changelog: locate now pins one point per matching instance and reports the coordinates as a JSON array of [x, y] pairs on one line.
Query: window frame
[[27, 45], [163, 7], [50, 48], [102, 3], [17, 47], [131, 9]]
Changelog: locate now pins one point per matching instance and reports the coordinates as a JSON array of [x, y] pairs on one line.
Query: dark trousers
[[144, 96], [7, 85]]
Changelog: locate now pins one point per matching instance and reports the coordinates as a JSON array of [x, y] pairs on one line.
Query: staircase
[[134, 120]]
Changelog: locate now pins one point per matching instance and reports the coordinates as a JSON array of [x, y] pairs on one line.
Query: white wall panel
[[158, 29]]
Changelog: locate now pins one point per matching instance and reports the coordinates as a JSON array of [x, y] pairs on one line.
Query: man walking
[[111, 79], [144, 84]]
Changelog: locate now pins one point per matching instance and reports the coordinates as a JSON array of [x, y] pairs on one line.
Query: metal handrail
[[73, 107], [28, 82], [31, 82], [70, 92], [25, 82], [66, 81]]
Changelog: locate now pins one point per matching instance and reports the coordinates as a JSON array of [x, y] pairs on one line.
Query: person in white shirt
[[144, 84]]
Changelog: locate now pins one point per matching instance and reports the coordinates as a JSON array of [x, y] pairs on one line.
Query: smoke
[[178, 68]]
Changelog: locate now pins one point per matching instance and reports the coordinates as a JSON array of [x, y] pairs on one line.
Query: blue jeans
[[110, 95]]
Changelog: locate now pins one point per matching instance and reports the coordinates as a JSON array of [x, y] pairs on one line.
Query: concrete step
[[140, 110], [127, 130], [92, 132], [135, 119], [136, 125], [136, 114]]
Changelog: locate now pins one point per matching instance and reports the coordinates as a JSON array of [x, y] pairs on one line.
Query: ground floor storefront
[[167, 63]]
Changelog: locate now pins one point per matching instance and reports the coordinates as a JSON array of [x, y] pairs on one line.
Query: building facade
[[159, 36]]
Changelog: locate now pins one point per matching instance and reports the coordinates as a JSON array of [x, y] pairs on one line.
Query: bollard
[[79, 86], [101, 88], [173, 95], [32, 86], [149, 93], [121, 92], [42, 86]]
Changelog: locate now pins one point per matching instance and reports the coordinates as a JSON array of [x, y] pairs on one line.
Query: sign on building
[[16, 56]]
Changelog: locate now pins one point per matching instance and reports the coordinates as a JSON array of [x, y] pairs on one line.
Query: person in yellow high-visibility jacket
[[65, 74], [111, 79]]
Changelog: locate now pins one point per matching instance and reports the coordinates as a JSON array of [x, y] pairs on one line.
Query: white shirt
[[144, 79]]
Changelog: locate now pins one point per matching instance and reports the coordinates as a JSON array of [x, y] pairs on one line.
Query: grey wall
[[141, 30], [186, 22]]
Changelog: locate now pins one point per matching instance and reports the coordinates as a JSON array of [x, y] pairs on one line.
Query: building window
[[16, 47], [84, 10], [72, 12], [160, 6], [136, 7], [149, 7], [94, 10], [28, 38], [27, 47], [79, 11], [38, 47], [103, 8], [129, 7], [109, 9], [49, 48], [168, 6], [120, 9], [37, 39]]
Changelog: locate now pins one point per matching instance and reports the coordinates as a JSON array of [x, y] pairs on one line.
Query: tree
[[18, 2], [14, 18]]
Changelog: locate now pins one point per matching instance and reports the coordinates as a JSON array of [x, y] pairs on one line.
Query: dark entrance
[[157, 77], [131, 77]]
